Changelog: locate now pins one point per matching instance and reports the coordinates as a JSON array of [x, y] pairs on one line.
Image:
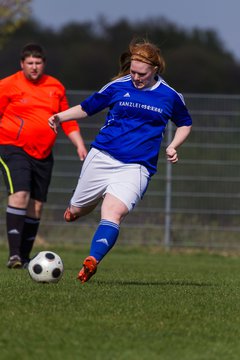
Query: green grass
[[142, 304]]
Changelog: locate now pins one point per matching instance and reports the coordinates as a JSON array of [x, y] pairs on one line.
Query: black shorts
[[21, 172]]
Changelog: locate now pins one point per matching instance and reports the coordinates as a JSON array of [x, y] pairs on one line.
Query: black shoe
[[25, 264], [14, 262]]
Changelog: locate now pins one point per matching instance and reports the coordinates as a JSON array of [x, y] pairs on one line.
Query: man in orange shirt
[[27, 99]]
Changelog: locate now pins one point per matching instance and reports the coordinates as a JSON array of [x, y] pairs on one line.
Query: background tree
[[13, 13], [84, 56]]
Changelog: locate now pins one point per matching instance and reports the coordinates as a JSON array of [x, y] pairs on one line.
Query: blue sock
[[104, 239]]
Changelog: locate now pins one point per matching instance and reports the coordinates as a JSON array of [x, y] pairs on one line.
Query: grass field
[[143, 304]]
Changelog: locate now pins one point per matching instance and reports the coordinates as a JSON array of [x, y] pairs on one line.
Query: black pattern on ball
[[37, 269], [50, 256], [56, 273]]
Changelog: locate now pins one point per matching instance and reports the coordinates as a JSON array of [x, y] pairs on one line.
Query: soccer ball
[[46, 267]]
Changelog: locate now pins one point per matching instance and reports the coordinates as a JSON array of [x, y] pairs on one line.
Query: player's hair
[[34, 50], [143, 51]]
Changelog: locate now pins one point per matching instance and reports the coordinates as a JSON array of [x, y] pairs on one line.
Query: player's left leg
[[30, 229], [41, 171], [125, 185], [123, 192], [113, 211]]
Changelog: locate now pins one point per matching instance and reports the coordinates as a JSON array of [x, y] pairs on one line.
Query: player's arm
[[77, 140], [180, 136], [4, 98], [75, 112]]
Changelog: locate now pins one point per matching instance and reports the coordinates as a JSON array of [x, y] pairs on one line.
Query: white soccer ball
[[46, 267]]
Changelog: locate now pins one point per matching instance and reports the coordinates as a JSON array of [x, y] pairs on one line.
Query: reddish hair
[[143, 51]]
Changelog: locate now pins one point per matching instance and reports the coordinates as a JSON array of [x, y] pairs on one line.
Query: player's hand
[[171, 154], [82, 152], [54, 122]]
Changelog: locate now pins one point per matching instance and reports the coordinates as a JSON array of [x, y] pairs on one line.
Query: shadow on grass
[[155, 283]]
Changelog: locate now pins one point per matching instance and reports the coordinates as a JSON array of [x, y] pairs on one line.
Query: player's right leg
[[88, 192], [16, 173], [73, 213], [15, 219]]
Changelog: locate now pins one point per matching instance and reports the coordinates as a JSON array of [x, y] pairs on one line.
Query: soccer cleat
[[14, 262], [88, 270], [25, 264], [69, 216]]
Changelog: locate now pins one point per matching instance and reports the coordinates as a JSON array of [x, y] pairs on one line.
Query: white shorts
[[101, 174]]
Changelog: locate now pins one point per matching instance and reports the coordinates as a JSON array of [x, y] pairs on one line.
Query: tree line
[[84, 56]]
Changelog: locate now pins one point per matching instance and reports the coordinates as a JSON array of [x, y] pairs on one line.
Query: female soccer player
[[124, 154]]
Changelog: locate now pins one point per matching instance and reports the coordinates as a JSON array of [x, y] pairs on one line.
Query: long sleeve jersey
[[136, 119], [25, 108]]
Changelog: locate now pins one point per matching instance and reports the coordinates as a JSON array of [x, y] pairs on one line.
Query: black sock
[[15, 218], [29, 233]]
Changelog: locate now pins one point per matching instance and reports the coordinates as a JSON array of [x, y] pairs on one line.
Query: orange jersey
[[24, 111]]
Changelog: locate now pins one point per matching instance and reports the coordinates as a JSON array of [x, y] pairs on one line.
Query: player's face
[[33, 68], [142, 74]]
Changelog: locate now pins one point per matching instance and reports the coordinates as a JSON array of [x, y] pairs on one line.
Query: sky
[[219, 15]]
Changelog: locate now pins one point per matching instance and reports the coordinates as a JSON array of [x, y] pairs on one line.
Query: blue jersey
[[136, 119]]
